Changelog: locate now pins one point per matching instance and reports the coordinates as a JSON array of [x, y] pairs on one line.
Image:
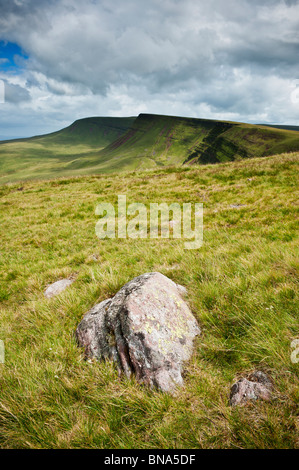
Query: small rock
[[57, 287], [256, 386], [147, 329], [236, 206], [172, 267], [261, 377]]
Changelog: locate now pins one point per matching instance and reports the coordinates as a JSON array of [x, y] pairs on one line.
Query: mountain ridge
[[179, 140], [112, 144]]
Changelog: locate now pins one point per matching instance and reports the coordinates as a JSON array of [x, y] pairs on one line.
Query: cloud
[[226, 59], [15, 93]]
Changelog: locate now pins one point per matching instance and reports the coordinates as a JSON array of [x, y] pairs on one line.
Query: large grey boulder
[[147, 328], [256, 386]]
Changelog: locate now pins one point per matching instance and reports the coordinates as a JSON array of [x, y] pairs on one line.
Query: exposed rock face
[[57, 287], [258, 385], [146, 328]]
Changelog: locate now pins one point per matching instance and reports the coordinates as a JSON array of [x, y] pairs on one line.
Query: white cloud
[[232, 60]]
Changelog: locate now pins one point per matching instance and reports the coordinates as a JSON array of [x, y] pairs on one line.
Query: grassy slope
[[61, 153], [163, 140], [242, 289], [129, 144]]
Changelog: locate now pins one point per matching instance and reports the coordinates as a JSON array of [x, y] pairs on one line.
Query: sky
[[62, 60]]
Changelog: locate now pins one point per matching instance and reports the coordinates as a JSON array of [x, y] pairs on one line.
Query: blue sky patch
[[11, 57]]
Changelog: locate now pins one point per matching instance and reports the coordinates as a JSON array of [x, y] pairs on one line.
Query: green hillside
[[104, 145], [97, 132], [59, 153], [163, 140]]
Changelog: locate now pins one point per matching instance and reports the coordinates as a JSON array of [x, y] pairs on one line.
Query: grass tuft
[[242, 288]]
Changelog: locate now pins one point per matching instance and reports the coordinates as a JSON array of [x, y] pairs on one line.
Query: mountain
[[164, 140], [61, 153], [97, 132], [104, 145]]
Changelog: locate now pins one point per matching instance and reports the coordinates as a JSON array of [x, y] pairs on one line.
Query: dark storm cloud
[[231, 56]]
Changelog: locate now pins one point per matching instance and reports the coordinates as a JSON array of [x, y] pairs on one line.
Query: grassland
[[108, 145], [242, 288], [64, 153]]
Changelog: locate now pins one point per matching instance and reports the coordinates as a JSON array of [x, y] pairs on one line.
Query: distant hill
[[6, 138], [96, 132], [280, 126], [60, 153], [100, 144], [162, 140]]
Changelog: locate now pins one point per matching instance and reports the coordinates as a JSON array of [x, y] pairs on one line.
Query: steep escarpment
[[108, 144], [165, 140]]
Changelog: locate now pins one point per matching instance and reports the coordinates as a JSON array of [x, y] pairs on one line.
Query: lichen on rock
[[256, 386], [147, 328]]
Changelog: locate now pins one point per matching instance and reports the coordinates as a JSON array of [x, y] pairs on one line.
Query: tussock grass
[[242, 288]]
